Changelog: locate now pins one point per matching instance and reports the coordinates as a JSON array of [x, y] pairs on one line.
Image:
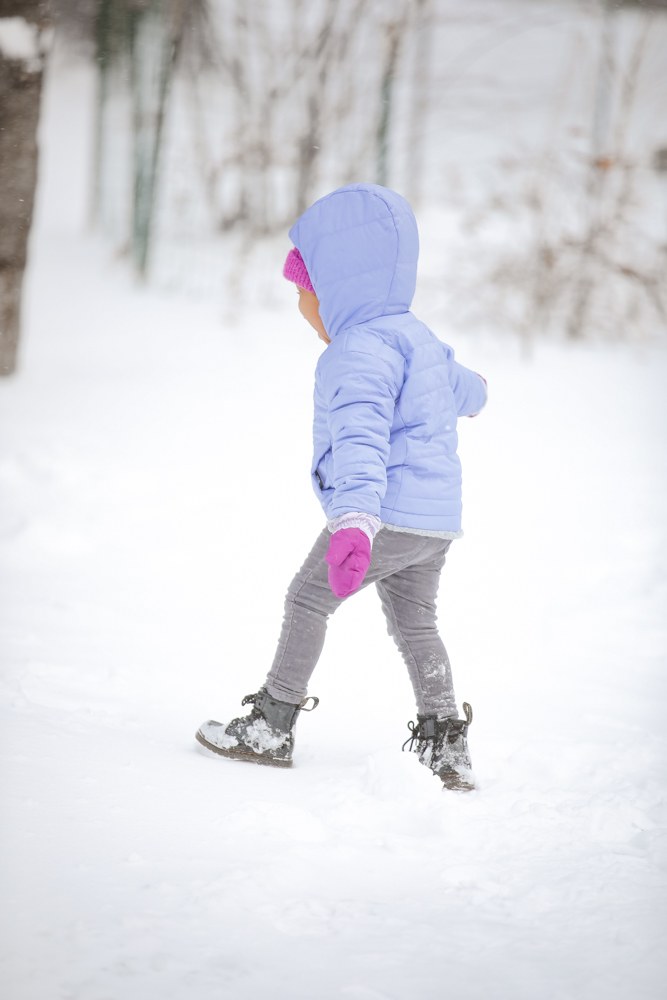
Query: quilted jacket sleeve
[[468, 388], [360, 391]]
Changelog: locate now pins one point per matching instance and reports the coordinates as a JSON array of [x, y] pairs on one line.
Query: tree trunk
[[144, 36], [421, 83], [386, 94], [157, 32], [23, 38], [598, 175]]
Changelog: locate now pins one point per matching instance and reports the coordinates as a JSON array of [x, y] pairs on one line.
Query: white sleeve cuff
[[367, 522]]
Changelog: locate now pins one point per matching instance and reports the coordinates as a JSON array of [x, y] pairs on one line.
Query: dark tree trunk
[[386, 94], [22, 44], [146, 35], [157, 31]]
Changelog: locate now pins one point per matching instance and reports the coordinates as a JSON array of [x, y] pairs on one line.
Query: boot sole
[[250, 756]]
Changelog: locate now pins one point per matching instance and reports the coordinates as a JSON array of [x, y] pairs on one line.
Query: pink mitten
[[349, 557]]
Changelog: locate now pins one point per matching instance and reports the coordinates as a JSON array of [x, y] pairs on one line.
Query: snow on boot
[[442, 745], [265, 736]]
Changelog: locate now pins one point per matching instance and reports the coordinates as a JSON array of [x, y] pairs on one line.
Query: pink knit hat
[[295, 270]]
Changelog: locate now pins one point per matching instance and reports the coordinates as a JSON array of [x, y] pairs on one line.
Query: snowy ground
[[142, 593]]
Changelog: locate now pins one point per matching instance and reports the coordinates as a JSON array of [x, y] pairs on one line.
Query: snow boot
[[265, 736], [442, 745]]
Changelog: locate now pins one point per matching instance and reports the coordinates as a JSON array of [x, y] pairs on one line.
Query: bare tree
[[600, 163], [276, 101], [607, 204], [144, 37], [279, 100], [157, 31], [420, 91], [24, 39], [393, 33], [575, 249]]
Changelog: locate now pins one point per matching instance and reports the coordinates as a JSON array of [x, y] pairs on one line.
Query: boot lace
[[427, 730], [414, 737]]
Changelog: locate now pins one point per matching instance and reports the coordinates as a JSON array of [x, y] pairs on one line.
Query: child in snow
[[385, 469]]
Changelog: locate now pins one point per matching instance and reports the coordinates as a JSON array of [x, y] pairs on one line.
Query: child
[[385, 469]]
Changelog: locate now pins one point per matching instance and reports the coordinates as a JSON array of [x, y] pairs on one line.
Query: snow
[[259, 736], [215, 733], [143, 445], [18, 38]]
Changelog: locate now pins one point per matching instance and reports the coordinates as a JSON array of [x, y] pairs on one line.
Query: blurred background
[[529, 135], [155, 431], [535, 132]]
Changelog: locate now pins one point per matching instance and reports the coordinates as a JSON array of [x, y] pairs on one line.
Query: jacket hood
[[360, 246]]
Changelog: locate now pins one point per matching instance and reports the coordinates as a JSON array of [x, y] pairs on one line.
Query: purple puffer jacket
[[387, 391]]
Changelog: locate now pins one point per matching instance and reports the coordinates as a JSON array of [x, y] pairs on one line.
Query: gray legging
[[405, 568]]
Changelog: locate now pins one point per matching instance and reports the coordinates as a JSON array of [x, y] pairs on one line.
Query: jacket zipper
[[319, 480]]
